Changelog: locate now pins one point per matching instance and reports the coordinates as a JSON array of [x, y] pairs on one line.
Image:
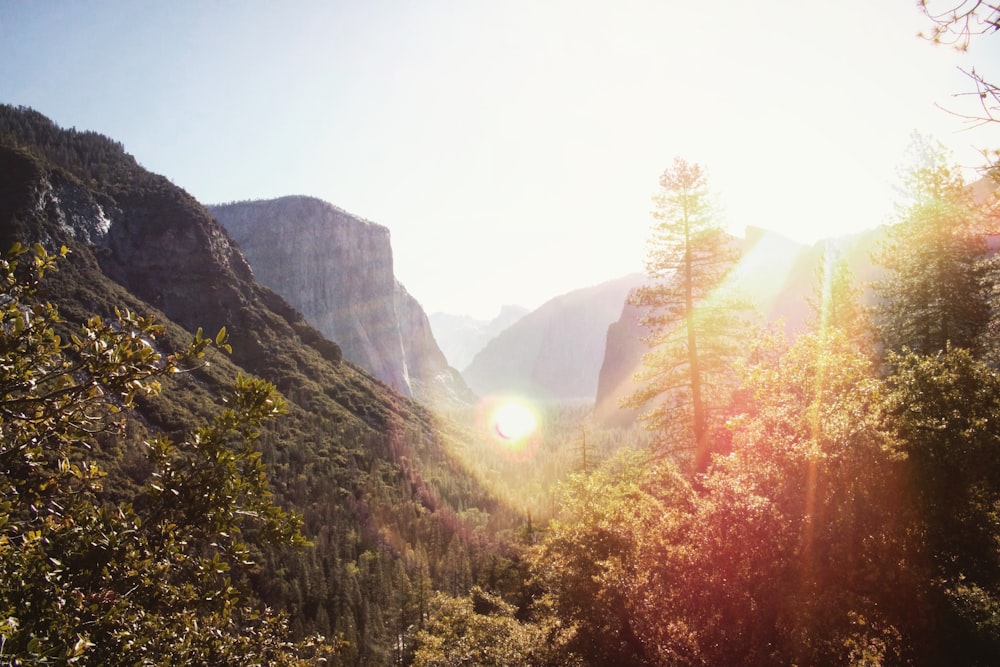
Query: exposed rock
[[623, 354], [337, 270], [431, 378], [357, 460]]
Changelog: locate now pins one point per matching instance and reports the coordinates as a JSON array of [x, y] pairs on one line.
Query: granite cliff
[[357, 460], [337, 270]]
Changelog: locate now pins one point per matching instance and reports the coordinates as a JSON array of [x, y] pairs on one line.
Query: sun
[[513, 421]]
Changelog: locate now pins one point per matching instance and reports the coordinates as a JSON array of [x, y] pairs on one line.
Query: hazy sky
[[512, 146]]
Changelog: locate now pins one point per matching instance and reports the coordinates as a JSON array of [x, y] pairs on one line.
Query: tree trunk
[[699, 423]]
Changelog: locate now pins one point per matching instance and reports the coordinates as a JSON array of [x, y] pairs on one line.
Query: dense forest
[[377, 508]]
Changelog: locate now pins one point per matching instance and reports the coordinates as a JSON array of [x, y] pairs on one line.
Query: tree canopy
[[152, 575]]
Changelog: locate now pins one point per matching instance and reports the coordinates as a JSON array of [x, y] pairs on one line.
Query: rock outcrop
[[337, 270], [623, 354], [357, 460]]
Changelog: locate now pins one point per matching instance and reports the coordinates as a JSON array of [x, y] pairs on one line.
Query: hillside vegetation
[[388, 510], [248, 496]]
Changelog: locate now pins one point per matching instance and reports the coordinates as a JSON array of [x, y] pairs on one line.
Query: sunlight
[[770, 268], [513, 421]]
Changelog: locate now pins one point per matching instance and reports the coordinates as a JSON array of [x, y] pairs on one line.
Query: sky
[[511, 147]]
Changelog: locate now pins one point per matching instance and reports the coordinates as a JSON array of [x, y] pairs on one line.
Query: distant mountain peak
[[555, 351], [462, 336]]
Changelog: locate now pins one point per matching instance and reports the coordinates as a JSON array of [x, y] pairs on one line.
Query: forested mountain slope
[[382, 500]]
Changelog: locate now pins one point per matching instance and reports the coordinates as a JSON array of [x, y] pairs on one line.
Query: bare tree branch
[[958, 24]]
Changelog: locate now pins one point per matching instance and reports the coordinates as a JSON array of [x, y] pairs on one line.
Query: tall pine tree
[[933, 295], [693, 321]]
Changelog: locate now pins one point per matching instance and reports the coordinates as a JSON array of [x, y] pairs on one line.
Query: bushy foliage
[[388, 506], [153, 579], [481, 629], [934, 293], [849, 514], [852, 523]]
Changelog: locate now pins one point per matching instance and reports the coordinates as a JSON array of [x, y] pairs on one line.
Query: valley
[[757, 452]]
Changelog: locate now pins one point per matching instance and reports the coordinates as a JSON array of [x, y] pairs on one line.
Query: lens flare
[[511, 426], [513, 421]]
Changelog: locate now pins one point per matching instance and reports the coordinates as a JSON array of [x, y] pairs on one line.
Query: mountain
[[387, 505], [777, 275], [461, 337], [554, 352], [337, 270], [623, 351]]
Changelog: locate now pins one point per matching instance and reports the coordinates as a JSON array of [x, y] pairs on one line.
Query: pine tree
[[692, 319], [836, 303], [934, 294]]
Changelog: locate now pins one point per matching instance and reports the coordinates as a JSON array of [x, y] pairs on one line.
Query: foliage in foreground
[[153, 576], [854, 522], [482, 629]]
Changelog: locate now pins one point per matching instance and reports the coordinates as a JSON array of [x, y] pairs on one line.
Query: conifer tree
[[934, 294], [693, 321], [837, 301]]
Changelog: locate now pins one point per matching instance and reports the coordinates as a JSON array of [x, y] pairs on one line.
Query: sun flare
[[513, 421]]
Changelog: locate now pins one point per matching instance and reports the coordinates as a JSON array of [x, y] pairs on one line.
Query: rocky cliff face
[[431, 378], [357, 460], [622, 358], [336, 269], [143, 243]]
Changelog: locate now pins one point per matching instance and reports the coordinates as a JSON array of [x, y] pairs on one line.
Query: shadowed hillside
[[382, 500]]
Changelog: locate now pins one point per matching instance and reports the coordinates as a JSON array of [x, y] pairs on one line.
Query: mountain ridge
[[777, 274], [462, 336], [555, 351], [358, 460]]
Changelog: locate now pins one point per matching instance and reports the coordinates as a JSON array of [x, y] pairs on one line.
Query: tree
[[109, 576], [479, 629], [943, 410], [957, 25], [692, 320], [811, 447], [934, 294], [590, 560]]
